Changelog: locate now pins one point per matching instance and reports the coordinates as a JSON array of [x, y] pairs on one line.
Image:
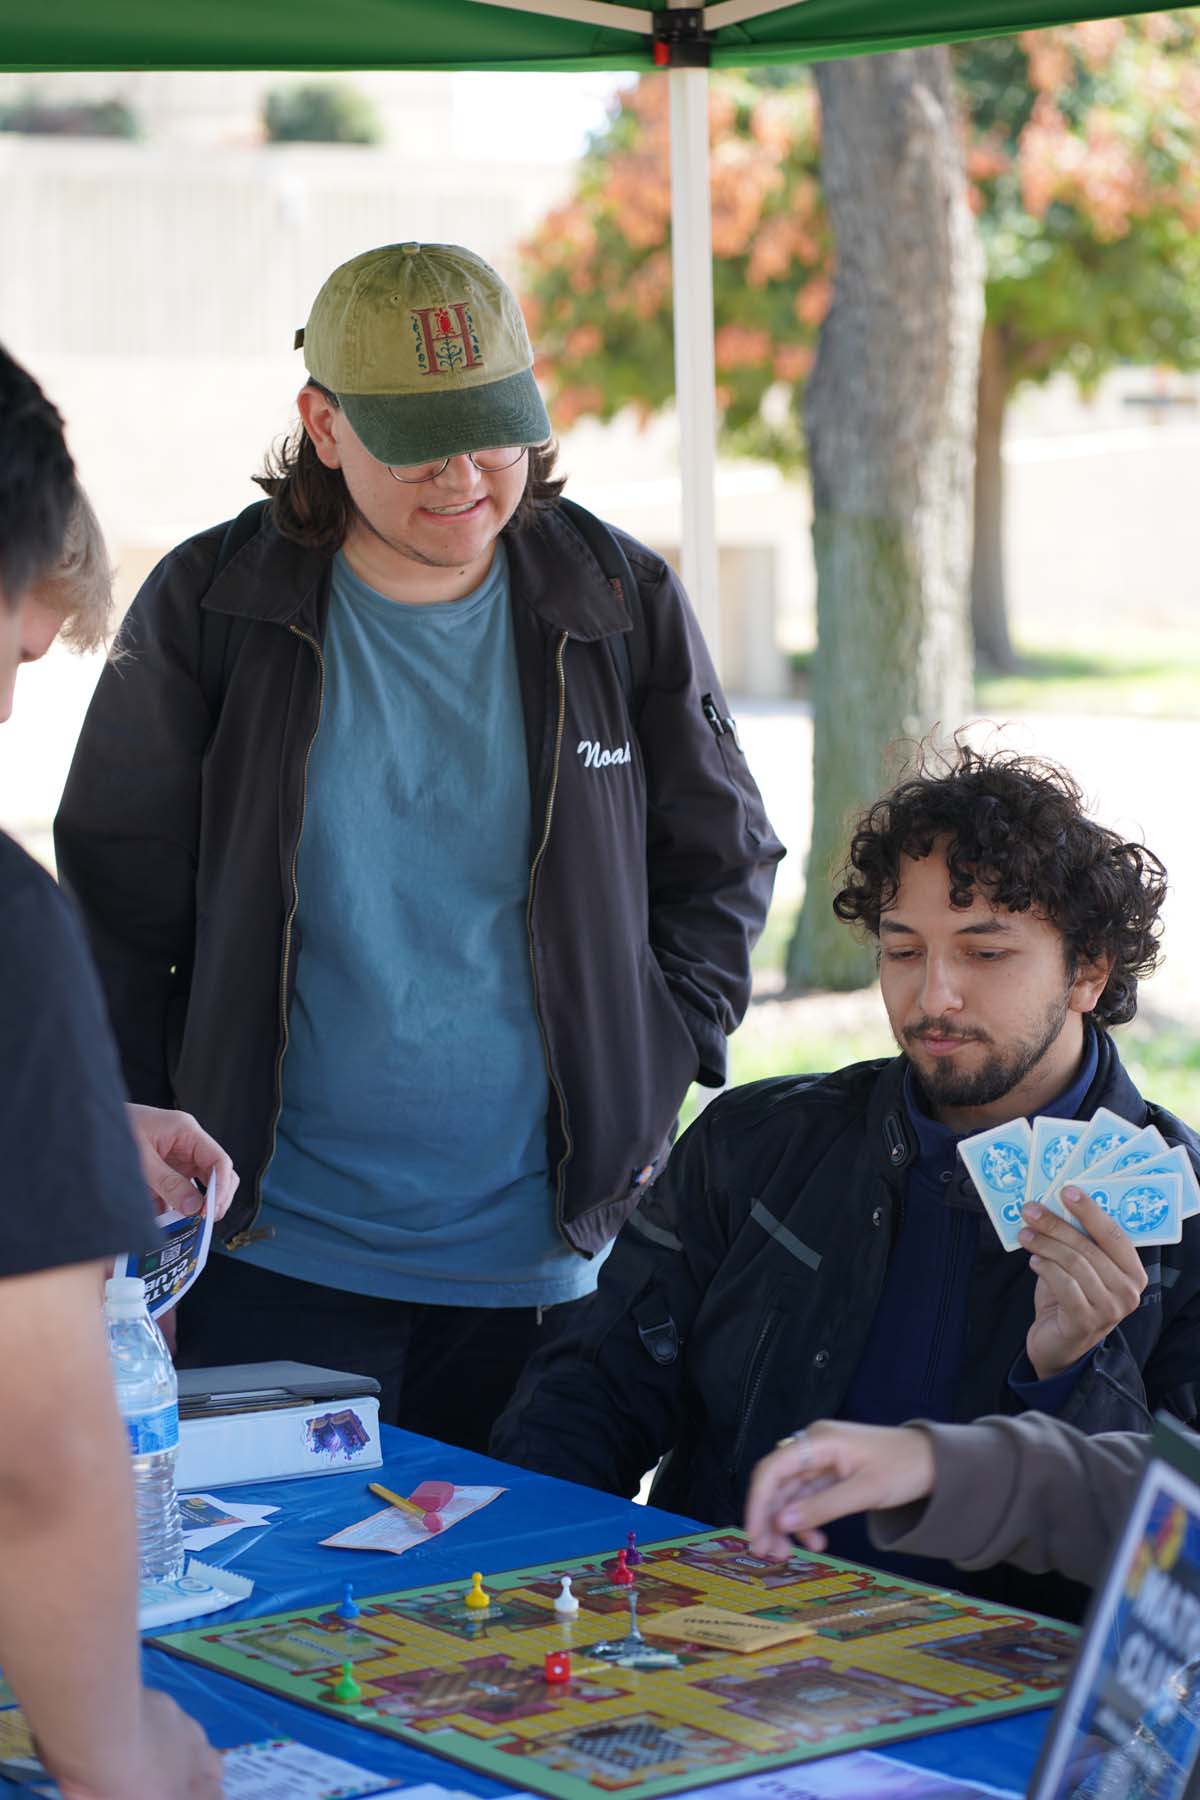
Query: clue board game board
[[843, 1658]]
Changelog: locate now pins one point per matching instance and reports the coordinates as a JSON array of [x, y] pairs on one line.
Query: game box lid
[[265, 1387]]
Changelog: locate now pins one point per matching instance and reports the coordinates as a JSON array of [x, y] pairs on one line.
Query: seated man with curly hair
[[815, 1248]]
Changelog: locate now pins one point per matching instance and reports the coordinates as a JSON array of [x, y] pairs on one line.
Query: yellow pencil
[[395, 1500]]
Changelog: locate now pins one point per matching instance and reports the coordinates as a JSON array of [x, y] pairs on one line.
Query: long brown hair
[[312, 505]]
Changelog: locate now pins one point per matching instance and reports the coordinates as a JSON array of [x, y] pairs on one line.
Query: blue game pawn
[[633, 1555], [348, 1610]]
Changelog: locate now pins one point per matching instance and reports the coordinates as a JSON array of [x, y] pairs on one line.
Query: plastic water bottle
[[148, 1396]]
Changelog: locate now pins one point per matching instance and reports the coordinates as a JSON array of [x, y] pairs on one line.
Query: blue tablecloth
[[536, 1521]]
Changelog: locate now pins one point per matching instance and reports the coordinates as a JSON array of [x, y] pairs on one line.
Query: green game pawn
[[347, 1690]]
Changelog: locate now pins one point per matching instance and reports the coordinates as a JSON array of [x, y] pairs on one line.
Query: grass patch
[[1156, 676], [1163, 1061], [770, 952], [1115, 676]]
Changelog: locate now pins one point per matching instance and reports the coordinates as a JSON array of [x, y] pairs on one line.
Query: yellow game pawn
[[475, 1597]]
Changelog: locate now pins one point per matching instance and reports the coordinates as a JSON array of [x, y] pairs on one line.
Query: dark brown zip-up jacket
[[651, 874]]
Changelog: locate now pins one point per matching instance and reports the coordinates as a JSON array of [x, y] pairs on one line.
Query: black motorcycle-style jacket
[[737, 1300], [651, 871]]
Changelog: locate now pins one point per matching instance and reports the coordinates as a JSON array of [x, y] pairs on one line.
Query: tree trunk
[[989, 599], [890, 419]]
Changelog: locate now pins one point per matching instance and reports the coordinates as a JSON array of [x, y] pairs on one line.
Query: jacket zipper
[[758, 1363], [949, 1283], [533, 873], [248, 1234]]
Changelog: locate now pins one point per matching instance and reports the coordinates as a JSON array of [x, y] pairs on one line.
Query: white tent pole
[[695, 374], [738, 12], [585, 12]]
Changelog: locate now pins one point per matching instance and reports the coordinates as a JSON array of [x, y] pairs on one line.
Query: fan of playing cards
[[1143, 1183]]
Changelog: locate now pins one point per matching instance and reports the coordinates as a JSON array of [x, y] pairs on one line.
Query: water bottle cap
[[124, 1297]]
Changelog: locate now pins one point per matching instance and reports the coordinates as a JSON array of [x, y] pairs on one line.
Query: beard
[[998, 1074]]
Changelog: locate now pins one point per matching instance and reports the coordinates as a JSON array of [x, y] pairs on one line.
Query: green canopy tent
[[560, 35], [498, 34]]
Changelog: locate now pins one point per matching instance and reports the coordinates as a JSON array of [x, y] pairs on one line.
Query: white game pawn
[[565, 1603]]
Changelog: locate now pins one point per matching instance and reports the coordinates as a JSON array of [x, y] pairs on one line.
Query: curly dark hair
[[1014, 827], [311, 504]]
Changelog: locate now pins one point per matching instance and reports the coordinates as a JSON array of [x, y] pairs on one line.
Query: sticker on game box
[[336, 1436]]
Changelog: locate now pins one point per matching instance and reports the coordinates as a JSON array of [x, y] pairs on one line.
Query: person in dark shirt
[[74, 1195], [815, 1248]]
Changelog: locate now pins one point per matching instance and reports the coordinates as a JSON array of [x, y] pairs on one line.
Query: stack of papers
[[282, 1769], [862, 1775], [207, 1519], [398, 1531]]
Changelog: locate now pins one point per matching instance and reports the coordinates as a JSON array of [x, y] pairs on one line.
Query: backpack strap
[[221, 635], [629, 649]]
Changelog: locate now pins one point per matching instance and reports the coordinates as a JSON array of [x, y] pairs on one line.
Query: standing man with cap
[[420, 858]]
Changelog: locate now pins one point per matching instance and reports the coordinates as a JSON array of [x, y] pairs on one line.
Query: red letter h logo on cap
[[446, 338]]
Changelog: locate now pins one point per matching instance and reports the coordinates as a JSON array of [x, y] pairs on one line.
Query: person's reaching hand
[[828, 1471]]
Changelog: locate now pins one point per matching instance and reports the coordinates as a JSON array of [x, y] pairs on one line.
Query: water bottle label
[[153, 1431]]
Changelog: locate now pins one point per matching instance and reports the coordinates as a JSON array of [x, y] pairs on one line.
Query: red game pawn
[[558, 1665], [623, 1574]]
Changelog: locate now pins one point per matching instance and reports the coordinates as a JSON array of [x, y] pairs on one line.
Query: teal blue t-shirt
[[411, 1159]]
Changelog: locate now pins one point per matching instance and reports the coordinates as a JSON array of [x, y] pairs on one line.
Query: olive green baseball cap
[[427, 352]]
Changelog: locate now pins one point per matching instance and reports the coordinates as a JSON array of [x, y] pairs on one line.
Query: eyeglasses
[[489, 461]]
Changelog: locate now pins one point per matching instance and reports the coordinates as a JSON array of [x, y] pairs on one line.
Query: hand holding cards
[[1144, 1185], [1082, 1198]]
